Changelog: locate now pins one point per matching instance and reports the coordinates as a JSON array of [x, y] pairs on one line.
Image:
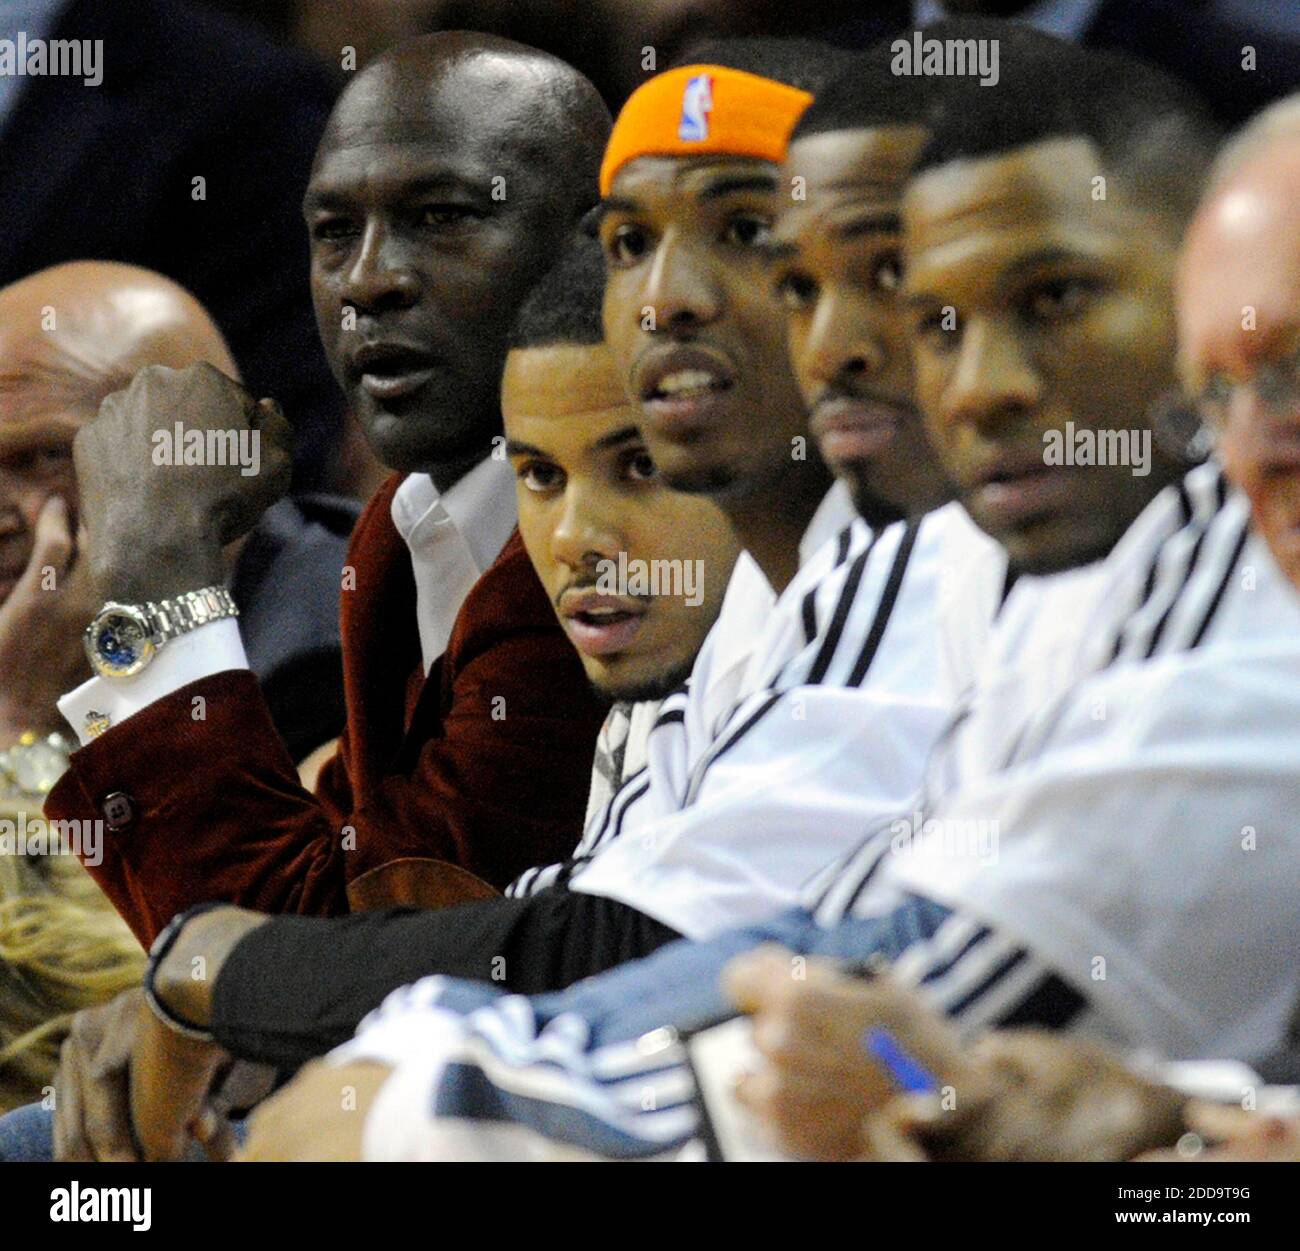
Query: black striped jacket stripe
[[1195, 524], [1212, 538], [1231, 536], [888, 598], [981, 979], [809, 609], [637, 785], [768, 699], [1185, 519], [548, 875], [838, 619], [1229, 569], [720, 749]]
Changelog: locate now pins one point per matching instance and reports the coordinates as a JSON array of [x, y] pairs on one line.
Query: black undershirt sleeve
[[296, 987]]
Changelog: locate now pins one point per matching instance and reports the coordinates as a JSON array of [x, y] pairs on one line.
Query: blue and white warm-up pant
[[598, 1066]]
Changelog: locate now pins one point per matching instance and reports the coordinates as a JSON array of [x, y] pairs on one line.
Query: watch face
[[119, 643]]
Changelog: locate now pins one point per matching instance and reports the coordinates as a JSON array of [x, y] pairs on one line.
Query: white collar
[[480, 505], [834, 513], [453, 537]]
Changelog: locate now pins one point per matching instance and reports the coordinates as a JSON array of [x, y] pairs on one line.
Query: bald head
[[72, 334], [526, 109], [453, 171], [1242, 252], [1239, 331], [68, 337]]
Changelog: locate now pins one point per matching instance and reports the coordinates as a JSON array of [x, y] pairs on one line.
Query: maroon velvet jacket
[[443, 787]]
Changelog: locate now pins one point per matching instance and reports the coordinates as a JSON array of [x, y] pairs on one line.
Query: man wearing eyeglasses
[[1239, 323]]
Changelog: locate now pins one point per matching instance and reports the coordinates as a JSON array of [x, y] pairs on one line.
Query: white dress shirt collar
[[453, 537]]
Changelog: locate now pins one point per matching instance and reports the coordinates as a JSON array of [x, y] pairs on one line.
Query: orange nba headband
[[700, 109]]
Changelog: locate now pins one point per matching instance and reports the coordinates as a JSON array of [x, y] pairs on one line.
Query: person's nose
[[841, 349], [380, 276], [587, 530], [680, 287], [993, 382]]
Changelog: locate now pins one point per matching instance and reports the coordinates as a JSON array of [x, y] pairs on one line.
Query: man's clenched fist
[[175, 466]]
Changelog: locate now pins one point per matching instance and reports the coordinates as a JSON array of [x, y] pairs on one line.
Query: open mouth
[[681, 388], [392, 371], [688, 384], [601, 625]]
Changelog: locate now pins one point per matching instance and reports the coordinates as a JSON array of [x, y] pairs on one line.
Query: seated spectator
[[470, 727], [592, 507], [69, 336]]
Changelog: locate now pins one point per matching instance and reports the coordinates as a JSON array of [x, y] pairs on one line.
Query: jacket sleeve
[[497, 784]]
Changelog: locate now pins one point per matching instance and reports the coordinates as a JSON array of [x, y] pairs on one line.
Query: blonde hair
[[62, 948]]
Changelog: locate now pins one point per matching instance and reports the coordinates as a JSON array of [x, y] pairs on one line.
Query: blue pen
[[909, 1074]]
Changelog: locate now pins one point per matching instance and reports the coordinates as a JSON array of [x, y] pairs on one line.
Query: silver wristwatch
[[123, 638]]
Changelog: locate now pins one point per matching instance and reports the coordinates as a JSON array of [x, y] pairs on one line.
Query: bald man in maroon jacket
[[471, 726]]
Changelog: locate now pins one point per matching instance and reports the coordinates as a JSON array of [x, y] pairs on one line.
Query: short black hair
[[564, 305], [870, 90], [807, 64], [864, 93], [1154, 135]]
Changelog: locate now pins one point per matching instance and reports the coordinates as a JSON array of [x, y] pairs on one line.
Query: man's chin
[[411, 441], [693, 478], [634, 688], [1050, 551], [867, 502]]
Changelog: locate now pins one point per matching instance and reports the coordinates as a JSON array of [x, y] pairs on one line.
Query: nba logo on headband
[[697, 103]]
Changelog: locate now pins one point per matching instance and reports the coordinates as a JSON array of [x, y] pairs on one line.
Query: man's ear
[[589, 223]]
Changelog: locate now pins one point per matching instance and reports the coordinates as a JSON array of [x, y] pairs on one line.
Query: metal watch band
[[170, 618]]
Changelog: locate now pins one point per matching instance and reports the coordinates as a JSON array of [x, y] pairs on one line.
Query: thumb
[[749, 979], [890, 1133]]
